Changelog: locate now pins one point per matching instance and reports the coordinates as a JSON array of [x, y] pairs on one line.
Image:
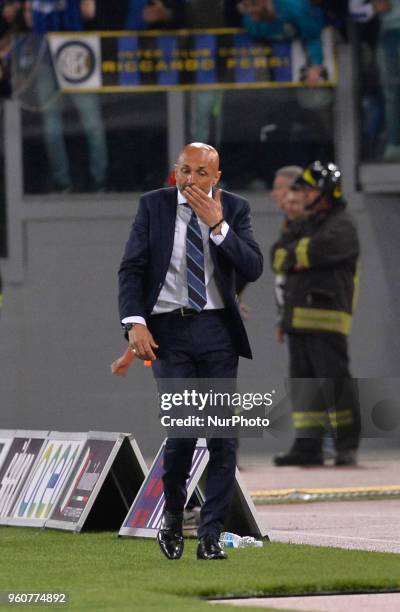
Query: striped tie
[[195, 265]]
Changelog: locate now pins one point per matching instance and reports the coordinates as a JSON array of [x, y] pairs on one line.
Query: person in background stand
[[109, 16], [279, 19], [44, 16], [178, 304], [206, 106], [319, 261], [11, 24], [388, 57], [154, 14], [335, 13], [365, 34], [283, 180]]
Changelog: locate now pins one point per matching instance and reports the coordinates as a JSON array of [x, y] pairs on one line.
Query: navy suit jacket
[[237, 260]]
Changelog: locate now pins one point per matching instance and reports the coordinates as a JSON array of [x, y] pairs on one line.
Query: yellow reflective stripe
[[1, 300], [337, 193], [279, 259], [341, 418], [309, 425], [347, 423], [319, 319], [305, 420], [302, 253], [308, 177]]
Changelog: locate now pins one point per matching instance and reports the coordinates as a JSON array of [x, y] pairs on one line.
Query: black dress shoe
[[169, 537], [209, 548], [296, 458]]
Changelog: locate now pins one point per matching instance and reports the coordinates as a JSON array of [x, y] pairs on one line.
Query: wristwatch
[[127, 327]]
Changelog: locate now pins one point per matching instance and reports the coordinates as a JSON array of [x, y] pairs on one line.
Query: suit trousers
[[198, 346]]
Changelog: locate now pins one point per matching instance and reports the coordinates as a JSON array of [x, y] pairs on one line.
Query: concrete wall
[[59, 329]]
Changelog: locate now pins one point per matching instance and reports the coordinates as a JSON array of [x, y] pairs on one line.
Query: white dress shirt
[[174, 292]]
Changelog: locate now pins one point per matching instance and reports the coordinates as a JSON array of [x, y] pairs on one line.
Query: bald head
[[200, 148], [198, 164]]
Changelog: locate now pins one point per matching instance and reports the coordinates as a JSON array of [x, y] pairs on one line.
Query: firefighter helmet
[[324, 177]]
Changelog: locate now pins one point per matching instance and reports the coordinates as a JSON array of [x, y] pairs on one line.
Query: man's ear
[[217, 178]]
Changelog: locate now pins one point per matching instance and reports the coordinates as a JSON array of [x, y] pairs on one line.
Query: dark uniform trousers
[[198, 346], [322, 391]]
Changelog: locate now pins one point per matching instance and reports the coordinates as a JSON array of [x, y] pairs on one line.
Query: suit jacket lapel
[[167, 211]]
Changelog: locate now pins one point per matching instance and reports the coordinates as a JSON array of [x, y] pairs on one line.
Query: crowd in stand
[[377, 23], [142, 14], [264, 19]]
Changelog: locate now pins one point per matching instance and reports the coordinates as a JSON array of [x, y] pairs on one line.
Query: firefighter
[[319, 261]]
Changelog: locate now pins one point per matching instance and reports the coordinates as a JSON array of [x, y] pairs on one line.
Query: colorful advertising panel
[[45, 483], [82, 482], [144, 517], [14, 472], [5, 443], [104, 482]]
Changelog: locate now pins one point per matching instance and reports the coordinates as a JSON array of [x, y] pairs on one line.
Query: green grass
[[103, 572]]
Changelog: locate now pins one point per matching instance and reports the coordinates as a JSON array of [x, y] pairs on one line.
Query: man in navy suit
[[190, 251]]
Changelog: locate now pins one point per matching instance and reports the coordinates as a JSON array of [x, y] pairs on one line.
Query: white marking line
[[332, 537]]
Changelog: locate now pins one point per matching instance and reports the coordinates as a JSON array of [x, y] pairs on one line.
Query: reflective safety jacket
[[319, 259]]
